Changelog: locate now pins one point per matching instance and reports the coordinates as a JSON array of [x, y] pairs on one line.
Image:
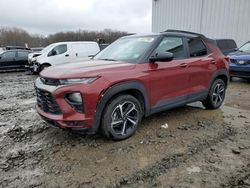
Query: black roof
[[16, 47], [184, 33], [171, 32], [14, 50]]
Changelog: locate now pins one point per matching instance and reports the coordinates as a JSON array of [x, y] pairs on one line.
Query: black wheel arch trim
[[40, 66], [222, 72], [114, 90]]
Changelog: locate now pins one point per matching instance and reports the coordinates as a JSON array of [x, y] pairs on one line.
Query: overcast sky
[[50, 16]]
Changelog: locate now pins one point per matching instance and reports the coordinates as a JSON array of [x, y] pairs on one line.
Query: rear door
[[201, 65], [8, 60], [22, 58], [169, 80], [80, 52]]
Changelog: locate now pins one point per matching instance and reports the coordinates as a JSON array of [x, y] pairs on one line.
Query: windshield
[[47, 48], [126, 49], [245, 47]]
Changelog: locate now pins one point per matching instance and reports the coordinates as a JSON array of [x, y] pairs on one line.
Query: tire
[[216, 95], [44, 67], [248, 80], [125, 113]]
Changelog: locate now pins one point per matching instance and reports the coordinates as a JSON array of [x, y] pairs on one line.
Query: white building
[[214, 18]]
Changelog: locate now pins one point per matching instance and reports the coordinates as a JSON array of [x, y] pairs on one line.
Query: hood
[[34, 54], [239, 55], [90, 68]]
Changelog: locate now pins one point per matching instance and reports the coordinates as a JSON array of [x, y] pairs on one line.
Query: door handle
[[183, 65], [67, 55], [213, 62]]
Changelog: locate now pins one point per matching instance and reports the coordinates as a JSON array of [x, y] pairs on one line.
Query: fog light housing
[[75, 100]]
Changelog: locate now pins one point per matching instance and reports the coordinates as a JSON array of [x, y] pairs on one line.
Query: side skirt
[[178, 101]]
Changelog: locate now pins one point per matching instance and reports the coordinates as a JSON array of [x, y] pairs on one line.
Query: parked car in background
[[226, 45], [33, 56], [103, 46], [16, 48], [240, 62], [135, 76], [64, 52], [14, 59]]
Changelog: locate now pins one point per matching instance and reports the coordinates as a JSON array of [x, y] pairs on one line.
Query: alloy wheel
[[218, 94], [124, 118]]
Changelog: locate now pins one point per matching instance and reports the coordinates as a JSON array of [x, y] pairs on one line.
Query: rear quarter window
[[197, 47]]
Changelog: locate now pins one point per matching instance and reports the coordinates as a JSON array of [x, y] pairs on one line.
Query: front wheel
[[216, 95], [121, 117]]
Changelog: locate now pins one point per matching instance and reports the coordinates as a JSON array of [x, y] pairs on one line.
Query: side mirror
[[0, 57], [162, 56], [236, 49]]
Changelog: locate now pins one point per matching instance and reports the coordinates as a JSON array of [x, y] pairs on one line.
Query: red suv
[[134, 77]]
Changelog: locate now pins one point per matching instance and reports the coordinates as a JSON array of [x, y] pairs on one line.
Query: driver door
[[59, 55], [169, 81]]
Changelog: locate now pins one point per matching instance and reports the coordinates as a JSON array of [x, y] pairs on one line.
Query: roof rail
[[186, 32]]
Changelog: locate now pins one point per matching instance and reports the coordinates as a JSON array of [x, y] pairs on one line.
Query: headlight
[[33, 59], [78, 81]]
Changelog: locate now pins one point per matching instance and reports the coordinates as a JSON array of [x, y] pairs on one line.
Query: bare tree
[[20, 37]]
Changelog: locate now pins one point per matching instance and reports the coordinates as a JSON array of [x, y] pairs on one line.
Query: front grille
[[240, 62], [46, 102]]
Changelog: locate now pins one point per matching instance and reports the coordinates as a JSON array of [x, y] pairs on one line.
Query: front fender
[[114, 90]]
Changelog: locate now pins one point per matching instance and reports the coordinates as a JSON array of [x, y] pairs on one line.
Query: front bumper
[[68, 118], [36, 67], [241, 71], [32, 66]]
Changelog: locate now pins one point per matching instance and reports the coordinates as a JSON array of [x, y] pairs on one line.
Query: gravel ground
[[200, 148]]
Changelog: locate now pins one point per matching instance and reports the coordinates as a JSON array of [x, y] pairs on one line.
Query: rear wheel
[[121, 117], [216, 95]]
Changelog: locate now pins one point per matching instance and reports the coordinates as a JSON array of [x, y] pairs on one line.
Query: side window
[[60, 49], [196, 47], [222, 44], [22, 54], [8, 55], [231, 44], [173, 45]]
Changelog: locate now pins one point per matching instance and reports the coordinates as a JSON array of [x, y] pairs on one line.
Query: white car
[[64, 52]]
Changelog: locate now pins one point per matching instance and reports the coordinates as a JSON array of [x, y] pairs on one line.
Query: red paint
[[162, 80]]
